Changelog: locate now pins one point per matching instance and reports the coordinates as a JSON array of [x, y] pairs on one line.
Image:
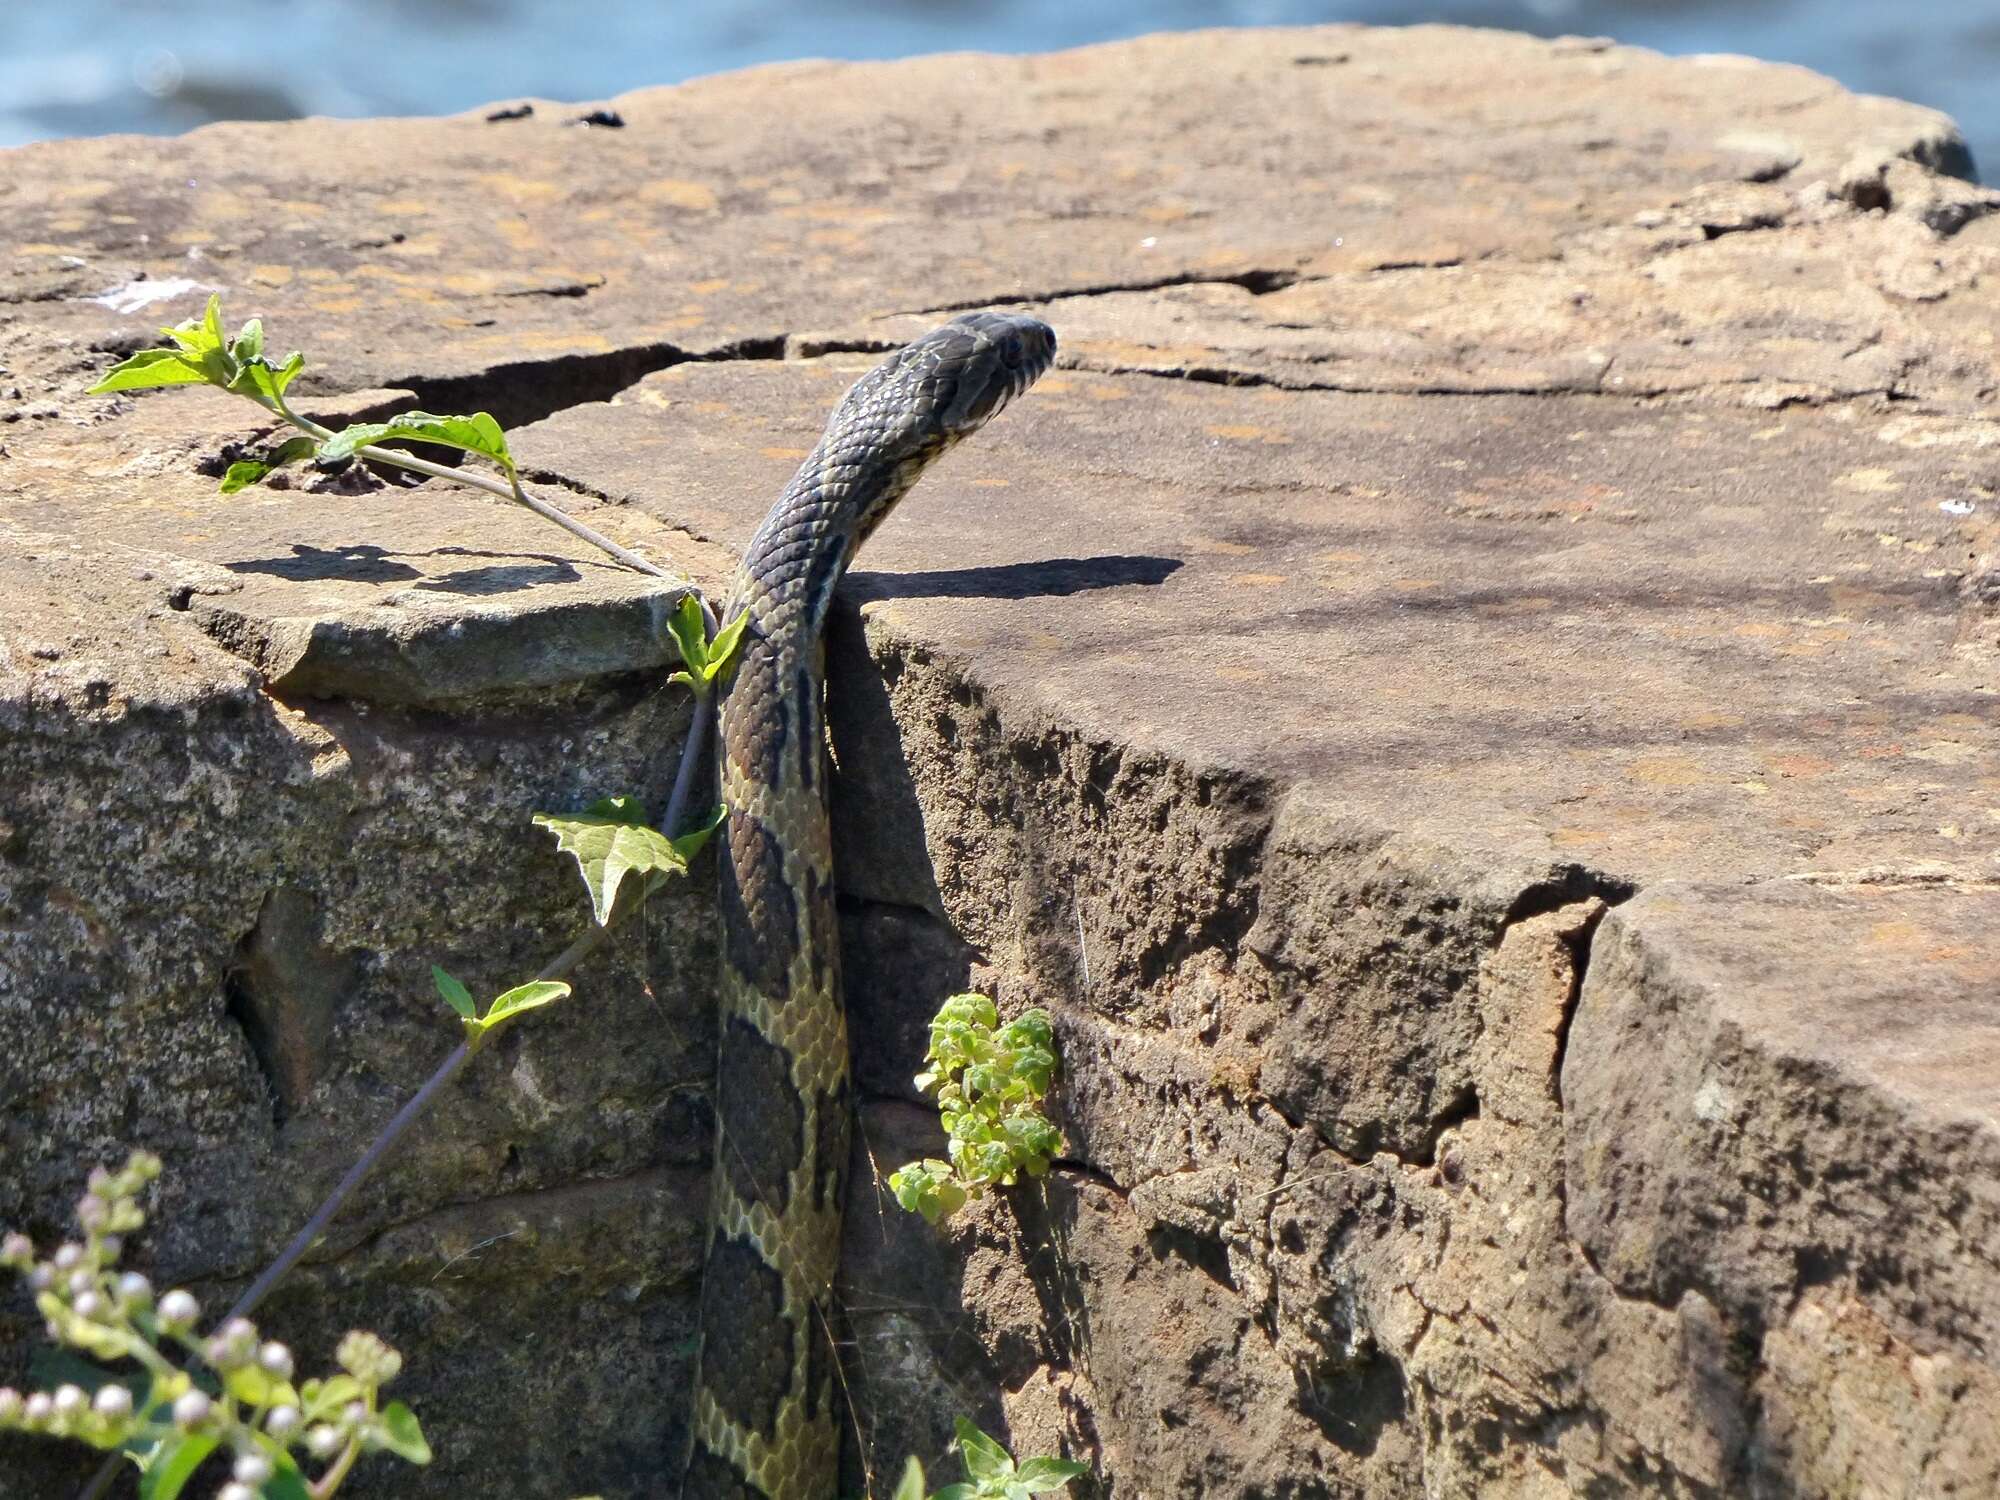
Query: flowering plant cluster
[[183, 1402]]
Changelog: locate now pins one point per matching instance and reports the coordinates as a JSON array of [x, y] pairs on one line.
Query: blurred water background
[[83, 67]]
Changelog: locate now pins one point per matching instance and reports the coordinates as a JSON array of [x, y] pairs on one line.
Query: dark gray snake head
[[948, 384]]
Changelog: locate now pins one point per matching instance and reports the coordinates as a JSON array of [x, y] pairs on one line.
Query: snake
[[764, 1423]]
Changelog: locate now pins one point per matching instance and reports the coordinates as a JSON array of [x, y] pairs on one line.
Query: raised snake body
[[765, 1425]]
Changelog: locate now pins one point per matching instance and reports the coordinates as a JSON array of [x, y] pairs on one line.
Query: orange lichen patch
[[336, 304], [403, 206], [1711, 718], [1532, 604], [709, 287], [1758, 630], [695, 197], [1258, 580], [518, 189], [271, 275], [1669, 770], [1869, 481], [1237, 432], [1105, 391], [1800, 765], [550, 341]]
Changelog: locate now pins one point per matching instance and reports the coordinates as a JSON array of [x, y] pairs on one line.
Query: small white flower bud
[[92, 1211], [68, 1257], [234, 1491], [39, 1407], [356, 1413], [81, 1281], [282, 1421], [18, 1251], [192, 1409], [252, 1469], [178, 1309], [112, 1246], [69, 1400], [324, 1441], [276, 1359], [134, 1290], [90, 1306], [240, 1334], [42, 1277], [112, 1401]]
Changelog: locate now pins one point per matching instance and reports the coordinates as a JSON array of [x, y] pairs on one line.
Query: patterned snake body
[[765, 1423]]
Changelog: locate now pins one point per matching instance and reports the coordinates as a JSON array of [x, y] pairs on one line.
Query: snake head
[[955, 379]]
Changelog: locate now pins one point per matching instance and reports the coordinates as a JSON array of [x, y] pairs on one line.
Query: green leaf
[[521, 999], [722, 650], [1041, 1476], [456, 995], [691, 637], [173, 1464], [911, 1485], [254, 1385], [400, 1433], [322, 1398], [957, 1492], [211, 322], [242, 474], [150, 367], [249, 341], [609, 840], [689, 844], [706, 659], [478, 433], [984, 1457], [286, 1482]]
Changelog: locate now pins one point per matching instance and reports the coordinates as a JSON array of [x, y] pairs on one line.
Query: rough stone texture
[[1471, 696]]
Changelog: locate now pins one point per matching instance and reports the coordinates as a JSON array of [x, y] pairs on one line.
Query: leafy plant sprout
[[991, 1473], [243, 1406], [989, 1081]]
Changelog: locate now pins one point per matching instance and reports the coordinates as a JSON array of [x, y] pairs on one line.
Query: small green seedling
[[228, 1400], [706, 659], [989, 1081], [505, 1007], [201, 355], [991, 1473]]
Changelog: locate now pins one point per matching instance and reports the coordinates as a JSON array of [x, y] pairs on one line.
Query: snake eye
[[1012, 349]]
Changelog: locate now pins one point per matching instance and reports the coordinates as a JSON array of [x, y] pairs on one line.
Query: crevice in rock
[[1257, 282], [282, 989], [528, 390]]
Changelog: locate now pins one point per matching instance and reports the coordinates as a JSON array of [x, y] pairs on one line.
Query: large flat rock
[[1486, 482]]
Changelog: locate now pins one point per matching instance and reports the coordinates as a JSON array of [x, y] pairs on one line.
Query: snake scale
[[765, 1426]]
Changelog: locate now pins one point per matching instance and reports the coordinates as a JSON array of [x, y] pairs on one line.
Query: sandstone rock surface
[[1471, 695]]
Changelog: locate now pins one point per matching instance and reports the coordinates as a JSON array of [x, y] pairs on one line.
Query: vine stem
[[588, 942]]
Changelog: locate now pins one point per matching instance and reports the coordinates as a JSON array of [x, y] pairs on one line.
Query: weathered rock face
[[1471, 696]]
